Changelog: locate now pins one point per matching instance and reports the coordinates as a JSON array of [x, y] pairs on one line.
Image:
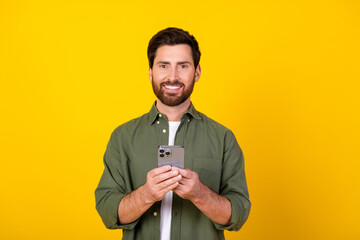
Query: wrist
[[146, 196], [201, 195]]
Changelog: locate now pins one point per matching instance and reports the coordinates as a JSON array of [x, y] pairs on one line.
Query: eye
[[162, 66], [183, 66]]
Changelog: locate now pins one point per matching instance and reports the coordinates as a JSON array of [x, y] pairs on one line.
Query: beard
[[173, 99]]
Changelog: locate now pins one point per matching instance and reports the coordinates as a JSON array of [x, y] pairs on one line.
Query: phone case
[[171, 155]]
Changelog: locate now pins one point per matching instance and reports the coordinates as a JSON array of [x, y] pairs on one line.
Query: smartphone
[[171, 155]]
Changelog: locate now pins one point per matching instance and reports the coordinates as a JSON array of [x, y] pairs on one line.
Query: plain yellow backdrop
[[283, 75]]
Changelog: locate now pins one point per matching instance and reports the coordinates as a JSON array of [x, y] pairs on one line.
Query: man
[[149, 202]]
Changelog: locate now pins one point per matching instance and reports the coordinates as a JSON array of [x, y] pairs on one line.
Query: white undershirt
[[166, 203]]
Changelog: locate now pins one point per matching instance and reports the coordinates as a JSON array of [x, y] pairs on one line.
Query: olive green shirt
[[211, 150]]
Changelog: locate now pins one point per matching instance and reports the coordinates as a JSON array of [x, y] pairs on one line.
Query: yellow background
[[283, 75]]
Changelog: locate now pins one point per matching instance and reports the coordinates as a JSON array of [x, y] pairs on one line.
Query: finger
[[156, 171], [166, 189], [165, 176], [179, 191], [184, 181], [181, 187], [186, 173], [168, 182], [159, 195]]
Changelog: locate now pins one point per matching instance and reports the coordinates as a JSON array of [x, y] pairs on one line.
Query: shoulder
[[130, 126], [213, 125], [217, 129]]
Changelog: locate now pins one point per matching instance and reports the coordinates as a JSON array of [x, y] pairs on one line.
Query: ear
[[150, 74], [197, 73]]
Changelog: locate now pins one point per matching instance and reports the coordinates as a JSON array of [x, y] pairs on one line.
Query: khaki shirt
[[211, 150]]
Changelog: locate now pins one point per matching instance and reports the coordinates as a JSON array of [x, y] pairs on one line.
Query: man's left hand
[[189, 186], [213, 205]]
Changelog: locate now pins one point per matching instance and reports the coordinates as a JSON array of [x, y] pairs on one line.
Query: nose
[[174, 74]]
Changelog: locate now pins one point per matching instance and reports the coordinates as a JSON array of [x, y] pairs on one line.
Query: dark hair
[[173, 36]]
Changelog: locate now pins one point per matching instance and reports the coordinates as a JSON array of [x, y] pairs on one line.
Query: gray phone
[[171, 155]]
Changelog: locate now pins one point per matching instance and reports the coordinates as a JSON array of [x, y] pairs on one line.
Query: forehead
[[179, 52]]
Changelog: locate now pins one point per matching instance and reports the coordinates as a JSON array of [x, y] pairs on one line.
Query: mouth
[[172, 88]]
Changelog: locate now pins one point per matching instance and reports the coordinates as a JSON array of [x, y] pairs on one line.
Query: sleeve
[[233, 184], [112, 186]]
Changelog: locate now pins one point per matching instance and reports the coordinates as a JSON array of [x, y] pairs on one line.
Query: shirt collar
[[154, 113]]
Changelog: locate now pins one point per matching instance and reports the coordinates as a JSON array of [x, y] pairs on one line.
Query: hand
[[213, 205], [159, 182], [189, 186]]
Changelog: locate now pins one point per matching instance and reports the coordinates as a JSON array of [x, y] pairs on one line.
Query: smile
[[172, 87]]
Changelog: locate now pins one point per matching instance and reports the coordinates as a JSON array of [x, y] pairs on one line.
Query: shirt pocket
[[209, 171]]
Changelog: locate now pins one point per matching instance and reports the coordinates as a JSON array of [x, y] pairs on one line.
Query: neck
[[173, 113]]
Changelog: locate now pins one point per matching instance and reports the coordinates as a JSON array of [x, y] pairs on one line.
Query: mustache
[[174, 83]]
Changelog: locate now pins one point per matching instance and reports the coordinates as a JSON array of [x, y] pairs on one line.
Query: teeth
[[172, 87]]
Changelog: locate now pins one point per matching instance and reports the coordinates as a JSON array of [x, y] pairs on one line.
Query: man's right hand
[[159, 182]]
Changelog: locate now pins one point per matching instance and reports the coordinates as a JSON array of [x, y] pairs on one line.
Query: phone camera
[[162, 155], [161, 150], [167, 153]]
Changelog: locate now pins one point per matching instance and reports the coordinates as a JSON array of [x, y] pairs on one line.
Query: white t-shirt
[[166, 204]]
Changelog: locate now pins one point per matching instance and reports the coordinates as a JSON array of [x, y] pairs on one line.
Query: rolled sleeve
[[107, 208], [112, 187], [233, 185]]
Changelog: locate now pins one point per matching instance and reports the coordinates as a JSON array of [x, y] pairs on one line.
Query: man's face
[[173, 74]]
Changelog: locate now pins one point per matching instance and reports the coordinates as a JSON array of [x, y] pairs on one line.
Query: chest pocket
[[209, 171], [140, 164]]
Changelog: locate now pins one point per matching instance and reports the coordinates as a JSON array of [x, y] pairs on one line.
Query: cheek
[[159, 75], [188, 78]]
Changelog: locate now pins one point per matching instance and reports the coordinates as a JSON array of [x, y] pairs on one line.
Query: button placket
[[180, 133], [162, 129]]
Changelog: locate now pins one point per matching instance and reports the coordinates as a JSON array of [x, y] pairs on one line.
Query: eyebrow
[[179, 63], [184, 62]]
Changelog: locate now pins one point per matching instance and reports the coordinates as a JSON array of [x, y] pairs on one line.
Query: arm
[[214, 206], [159, 181], [117, 205], [233, 190], [233, 183]]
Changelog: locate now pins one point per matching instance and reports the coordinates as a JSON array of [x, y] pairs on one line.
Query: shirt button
[[164, 130], [157, 122], [155, 214], [160, 115], [188, 120]]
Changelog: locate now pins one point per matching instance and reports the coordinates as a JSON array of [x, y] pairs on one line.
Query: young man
[[149, 202]]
